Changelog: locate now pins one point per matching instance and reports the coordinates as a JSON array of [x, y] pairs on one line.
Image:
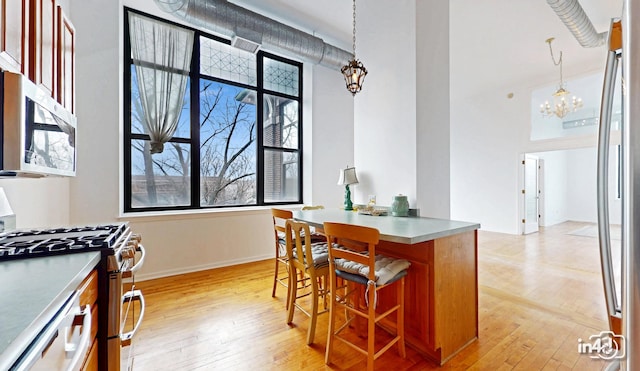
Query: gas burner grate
[[56, 241]]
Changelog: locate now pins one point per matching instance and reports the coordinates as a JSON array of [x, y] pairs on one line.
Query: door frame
[[526, 226]]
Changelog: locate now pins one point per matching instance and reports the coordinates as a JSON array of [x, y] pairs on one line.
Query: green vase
[[400, 206]]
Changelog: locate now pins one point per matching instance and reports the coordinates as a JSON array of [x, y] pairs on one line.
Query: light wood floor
[[537, 295]]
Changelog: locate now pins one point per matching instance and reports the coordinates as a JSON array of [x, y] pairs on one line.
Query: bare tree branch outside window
[[228, 133]]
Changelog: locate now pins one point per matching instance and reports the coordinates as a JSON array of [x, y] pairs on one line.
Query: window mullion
[[259, 130], [195, 123], [300, 129], [126, 176]]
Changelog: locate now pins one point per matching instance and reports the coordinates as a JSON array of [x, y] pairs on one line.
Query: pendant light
[[354, 71], [561, 104]]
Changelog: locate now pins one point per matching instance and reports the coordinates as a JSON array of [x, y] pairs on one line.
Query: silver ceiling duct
[[225, 18], [576, 20]]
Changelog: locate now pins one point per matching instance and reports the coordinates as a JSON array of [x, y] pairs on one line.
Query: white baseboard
[[198, 268]]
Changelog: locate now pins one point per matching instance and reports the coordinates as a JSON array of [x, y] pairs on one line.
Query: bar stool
[[312, 261], [352, 258], [280, 217]]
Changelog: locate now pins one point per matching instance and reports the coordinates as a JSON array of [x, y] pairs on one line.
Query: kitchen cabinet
[[30, 310], [441, 293], [66, 61], [55, 356], [89, 296], [37, 39], [14, 34], [44, 46]]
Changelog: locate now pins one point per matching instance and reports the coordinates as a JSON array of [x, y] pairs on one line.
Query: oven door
[[131, 306], [132, 314], [64, 343]]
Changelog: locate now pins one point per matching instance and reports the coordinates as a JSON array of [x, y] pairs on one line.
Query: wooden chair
[[311, 260], [280, 217], [351, 253]]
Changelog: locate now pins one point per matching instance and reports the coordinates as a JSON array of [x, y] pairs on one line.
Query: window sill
[[202, 213]]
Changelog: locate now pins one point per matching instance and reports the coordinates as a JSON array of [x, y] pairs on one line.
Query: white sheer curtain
[[162, 57]]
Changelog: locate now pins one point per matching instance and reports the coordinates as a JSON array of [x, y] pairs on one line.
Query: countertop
[[32, 290], [406, 230]]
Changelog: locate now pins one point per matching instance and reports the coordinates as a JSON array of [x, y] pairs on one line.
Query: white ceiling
[[498, 43]]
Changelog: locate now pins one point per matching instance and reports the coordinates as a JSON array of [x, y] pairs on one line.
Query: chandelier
[[561, 104], [354, 71]]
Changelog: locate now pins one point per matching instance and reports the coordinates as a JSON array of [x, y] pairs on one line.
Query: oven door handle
[[130, 296], [79, 350], [143, 253]]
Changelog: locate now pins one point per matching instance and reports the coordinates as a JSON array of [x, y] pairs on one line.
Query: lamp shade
[[348, 176]]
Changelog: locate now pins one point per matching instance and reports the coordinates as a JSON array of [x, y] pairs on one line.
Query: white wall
[[554, 186], [401, 124], [581, 184], [485, 158], [385, 109], [193, 241], [433, 105], [42, 202], [333, 137], [490, 131], [95, 189], [570, 186]]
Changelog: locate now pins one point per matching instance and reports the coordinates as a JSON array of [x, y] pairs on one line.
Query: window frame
[[195, 77]]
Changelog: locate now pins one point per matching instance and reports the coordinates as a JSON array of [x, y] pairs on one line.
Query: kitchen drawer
[[89, 289], [89, 296], [94, 321], [91, 363]]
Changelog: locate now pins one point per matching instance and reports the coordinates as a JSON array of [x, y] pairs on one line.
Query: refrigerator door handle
[[613, 307]]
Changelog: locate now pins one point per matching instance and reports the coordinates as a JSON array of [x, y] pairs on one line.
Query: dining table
[[441, 287]]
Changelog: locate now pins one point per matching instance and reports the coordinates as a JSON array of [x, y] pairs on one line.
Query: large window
[[237, 140]]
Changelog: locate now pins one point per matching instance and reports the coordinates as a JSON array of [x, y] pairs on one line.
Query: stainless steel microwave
[[38, 135]]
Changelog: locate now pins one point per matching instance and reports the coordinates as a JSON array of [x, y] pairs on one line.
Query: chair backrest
[[280, 217], [355, 243], [298, 240], [312, 207]]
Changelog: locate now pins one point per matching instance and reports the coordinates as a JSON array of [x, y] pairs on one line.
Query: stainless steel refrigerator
[[622, 294]]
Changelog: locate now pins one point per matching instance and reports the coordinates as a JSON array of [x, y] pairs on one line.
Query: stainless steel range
[[122, 255]]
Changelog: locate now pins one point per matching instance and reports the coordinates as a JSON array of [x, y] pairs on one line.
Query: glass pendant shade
[[354, 73]]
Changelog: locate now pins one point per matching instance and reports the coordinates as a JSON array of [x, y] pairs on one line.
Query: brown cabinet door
[[14, 34], [42, 69], [66, 62]]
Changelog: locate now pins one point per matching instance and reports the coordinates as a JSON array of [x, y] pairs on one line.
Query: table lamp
[[347, 176]]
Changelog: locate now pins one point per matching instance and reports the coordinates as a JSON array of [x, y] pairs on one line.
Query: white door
[[530, 193]]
